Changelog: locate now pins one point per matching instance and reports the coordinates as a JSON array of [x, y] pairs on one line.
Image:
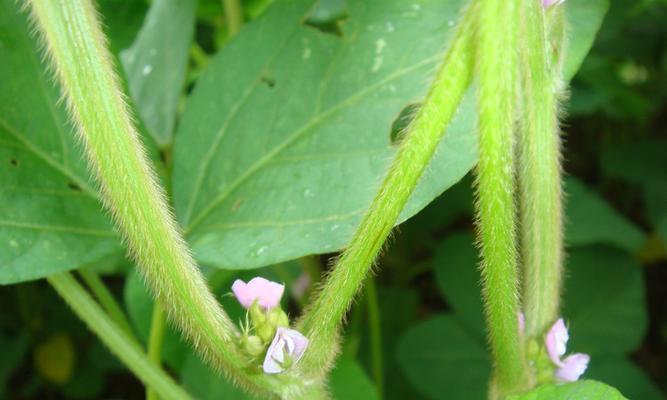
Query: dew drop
[[147, 69]]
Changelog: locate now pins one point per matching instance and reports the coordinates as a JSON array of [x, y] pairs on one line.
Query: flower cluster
[[571, 367], [268, 325]]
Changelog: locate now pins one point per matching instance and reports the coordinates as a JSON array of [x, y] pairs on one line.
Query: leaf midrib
[[298, 133], [226, 123]]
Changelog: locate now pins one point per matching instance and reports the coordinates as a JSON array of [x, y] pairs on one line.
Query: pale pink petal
[[265, 292], [556, 341], [522, 323], [573, 366], [240, 290], [287, 341], [269, 292]]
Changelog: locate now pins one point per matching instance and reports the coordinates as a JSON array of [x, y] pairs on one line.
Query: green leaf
[[626, 377], [604, 302], [50, 219], [155, 64], [591, 220], [457, 274], [642, 163], [122, 19], [584, 18], [281, 148], [349, 381], [438, 357], [582, 390]]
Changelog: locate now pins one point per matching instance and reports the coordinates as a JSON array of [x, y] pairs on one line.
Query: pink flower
[[549, 3], [556, 341], [573, 366], [285, 350], [266, 293]]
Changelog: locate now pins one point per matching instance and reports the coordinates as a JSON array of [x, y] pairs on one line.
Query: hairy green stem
[[126, 349], [496, 210], [155, 339], [233, 16], [539, 176], [326, 312], [107, 300], [81, 59], [375, 334]]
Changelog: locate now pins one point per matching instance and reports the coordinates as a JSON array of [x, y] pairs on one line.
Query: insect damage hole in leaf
[[268, 81], [327, 16], [73, 186], [402, 122]]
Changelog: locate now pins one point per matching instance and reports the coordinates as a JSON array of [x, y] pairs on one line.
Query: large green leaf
[[155, 64], [122, 20], [592, 220], [281, 148], [584, 18], [50, 219], [642, 163], [604, 301], [349, 381], [583, 390], [626, 377], [439, 357]]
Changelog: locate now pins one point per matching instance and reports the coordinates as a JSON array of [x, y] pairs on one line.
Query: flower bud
[[257, 315], [253, 345], [266, 331], [277, 317]]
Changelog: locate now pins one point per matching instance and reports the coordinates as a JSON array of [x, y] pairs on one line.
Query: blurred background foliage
[[425, 297]]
